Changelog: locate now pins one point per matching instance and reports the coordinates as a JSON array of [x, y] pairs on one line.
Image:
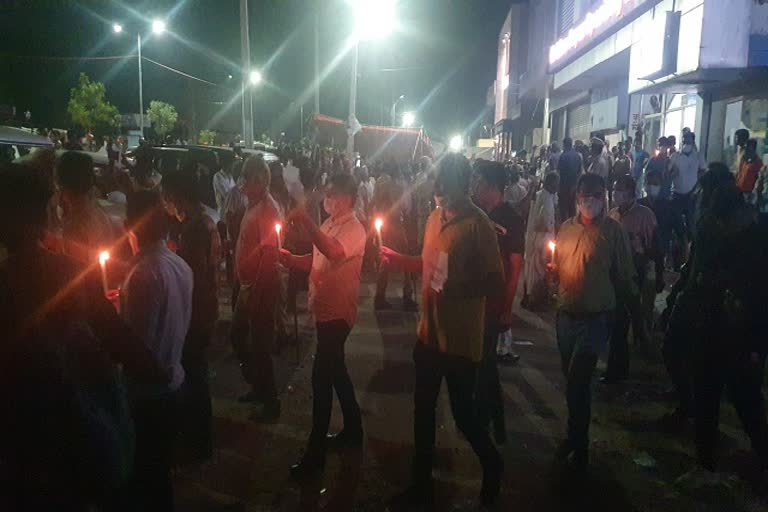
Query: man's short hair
[[75, 172], [494, 174], [146, 217], [567, 143], [256, 167], [663, 142], [626, 181], [24, 195], [181, 185], [590, 181], [344, 184], [454, 174]]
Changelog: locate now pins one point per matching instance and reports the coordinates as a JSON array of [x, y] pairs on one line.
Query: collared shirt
[[223, 182], [595, 264], [639, 222], [156, 302], [600, 166], [685, 170], [459, 257], [334, 285]]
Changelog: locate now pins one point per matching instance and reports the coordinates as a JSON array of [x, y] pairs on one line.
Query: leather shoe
[[345, 439], [309, 467]]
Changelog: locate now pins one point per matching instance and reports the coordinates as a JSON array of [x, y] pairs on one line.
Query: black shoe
[[509, 359], [563, 450], [381, 303], [491, 483], [410, 305], [249, 397], [345, 439], [416, 497], [270, 412], [578, 461], [612, 379], [310, 466]]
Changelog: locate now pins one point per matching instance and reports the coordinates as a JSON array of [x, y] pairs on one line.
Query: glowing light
[[103, 258], [158, 26], [255, 77], [117, 28], [278, 228], [408, 119], [373, 18], [592, 23], [378, 223], [456, 143], [552, 247]]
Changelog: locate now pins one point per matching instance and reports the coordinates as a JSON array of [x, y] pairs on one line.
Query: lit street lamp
[[394, 109], [408, 119], [255, 78], [158, 27], [456, 143], [373, 19]]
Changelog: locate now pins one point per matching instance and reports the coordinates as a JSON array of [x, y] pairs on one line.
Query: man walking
[[569, 167], [461, 267], [334, 279], [594, 265], [256, 259]]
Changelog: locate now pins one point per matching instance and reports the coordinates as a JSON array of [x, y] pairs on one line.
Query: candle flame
[[103, 257], [378, 223], [278, 227], [552, 246]]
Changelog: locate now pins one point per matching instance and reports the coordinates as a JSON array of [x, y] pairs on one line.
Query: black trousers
[[156, 430], [677, 353], [196, 425], [490, 401], [329, 373], [743, 380], [460, 375]]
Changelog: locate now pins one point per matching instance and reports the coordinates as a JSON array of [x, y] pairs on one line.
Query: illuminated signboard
[[594, 24]]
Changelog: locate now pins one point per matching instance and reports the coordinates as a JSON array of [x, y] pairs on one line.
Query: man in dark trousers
[[593, 263], [569, 167], [334, 279], [460, 266], [510, 232]]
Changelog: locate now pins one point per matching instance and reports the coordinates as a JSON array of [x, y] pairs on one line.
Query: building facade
[[623, 68]]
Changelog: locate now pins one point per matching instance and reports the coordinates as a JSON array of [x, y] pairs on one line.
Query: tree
[[207, 137], [163, 117], [88, 106]]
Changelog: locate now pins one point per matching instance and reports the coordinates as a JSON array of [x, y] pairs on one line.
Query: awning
[[721, 82]]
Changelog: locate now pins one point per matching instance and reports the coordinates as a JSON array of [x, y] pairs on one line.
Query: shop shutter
[[567, 11], [579, 125]]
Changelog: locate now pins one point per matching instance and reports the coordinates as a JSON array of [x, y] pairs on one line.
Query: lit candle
[[378, 223], [278, 227], [103, 257], [552, 248]]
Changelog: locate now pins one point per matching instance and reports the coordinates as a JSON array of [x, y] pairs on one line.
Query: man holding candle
[[256, 260], [594, 265], [334, 280], [461, 267]]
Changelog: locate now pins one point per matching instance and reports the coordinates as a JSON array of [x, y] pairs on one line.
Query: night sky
[[442, 57]]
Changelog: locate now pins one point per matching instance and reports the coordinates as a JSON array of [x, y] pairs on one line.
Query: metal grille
[[579, 122], [567, 11]]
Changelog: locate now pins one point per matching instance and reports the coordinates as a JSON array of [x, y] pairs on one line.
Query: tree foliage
[[207, 137], [163, 117], [88, 106]]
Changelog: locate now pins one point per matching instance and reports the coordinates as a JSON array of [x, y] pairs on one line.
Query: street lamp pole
[[394, 109], [352, 103], [245, 48], [141, 88]]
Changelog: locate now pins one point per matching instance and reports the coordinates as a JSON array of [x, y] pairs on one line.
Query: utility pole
[[317, 56], [247, 99]]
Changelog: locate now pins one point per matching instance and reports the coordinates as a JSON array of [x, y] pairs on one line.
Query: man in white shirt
[[334, 279], [156, 303], [600, 164], [685, 168]]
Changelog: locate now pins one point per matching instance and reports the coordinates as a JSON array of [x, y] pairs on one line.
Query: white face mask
[[331, 206], [653, 190], [590, 207]]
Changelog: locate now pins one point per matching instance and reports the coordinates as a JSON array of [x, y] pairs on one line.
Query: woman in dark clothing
[[199, 246]]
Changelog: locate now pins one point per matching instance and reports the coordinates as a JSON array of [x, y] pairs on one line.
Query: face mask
[[622, 198], [331, 206], [653, 190], [687, 149], [590, 207]]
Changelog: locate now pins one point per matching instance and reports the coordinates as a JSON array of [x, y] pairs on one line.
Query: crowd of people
[[105, 375]]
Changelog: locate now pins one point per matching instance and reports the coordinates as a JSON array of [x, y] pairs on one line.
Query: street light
[[408, 119], [373, 19], [254, 77], [158, 27], [456, 143], [393, 112]]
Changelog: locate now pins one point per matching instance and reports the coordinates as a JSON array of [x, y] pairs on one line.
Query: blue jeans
[[580, 338]]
